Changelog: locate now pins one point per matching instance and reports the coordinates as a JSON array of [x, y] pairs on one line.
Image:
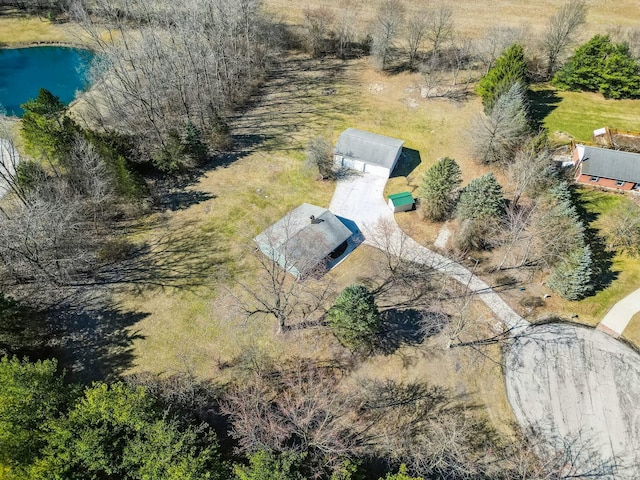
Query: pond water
[[23, 71]]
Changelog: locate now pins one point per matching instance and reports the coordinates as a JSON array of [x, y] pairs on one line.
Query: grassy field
[[575, 115], [203, 329], [17, 29], [474, 19]]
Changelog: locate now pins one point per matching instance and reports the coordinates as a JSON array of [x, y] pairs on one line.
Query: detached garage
[[367, 152]]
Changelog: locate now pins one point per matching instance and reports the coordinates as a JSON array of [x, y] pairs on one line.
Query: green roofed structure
[[401, 202], [305, 240]]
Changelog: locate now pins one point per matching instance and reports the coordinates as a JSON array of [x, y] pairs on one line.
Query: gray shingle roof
[[614, 164], [298, 244], [369, 147]]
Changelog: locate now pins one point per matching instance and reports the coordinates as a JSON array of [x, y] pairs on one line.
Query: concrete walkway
[[359, 198], [617, 319]]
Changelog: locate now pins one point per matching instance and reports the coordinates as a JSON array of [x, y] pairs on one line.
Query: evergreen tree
[[438, 191], [264, 465], [497, 136], [601, 66], [510, 68], [195, 148], [481, 199], [401, 475], [572, 277], [47, 130], [116, 432], [355, 318]]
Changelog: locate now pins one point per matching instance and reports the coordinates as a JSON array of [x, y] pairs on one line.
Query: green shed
[[401, 202]]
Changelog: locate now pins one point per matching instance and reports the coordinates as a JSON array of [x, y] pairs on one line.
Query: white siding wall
[[377, 170]]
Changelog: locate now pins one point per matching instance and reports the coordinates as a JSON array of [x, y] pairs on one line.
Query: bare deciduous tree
[[385, 31], [166, 65], [417, 26], [461, 51], [280, 294], [561, 31], [317, 22], [297, 408], [496, 40], [439, 28], [320, 156], [531, 170], [622, 230], [9, 160], [346, 27], [45, 242], [50, 234]]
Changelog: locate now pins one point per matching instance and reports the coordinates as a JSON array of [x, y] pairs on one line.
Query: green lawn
[[625, 270], [576, 115]]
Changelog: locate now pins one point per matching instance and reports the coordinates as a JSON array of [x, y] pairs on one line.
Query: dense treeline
[[66, 198], [168, 72], [292, 421]]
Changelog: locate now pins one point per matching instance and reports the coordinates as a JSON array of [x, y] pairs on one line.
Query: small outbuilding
[[401, 202], [305, 240], [367, 152]]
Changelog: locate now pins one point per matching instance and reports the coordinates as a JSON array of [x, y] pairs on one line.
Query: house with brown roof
[[607, 168]]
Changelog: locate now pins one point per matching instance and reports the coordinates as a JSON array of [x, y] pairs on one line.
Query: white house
[[367, 152]]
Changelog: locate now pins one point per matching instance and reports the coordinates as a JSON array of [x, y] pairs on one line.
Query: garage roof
[[369, 147], [303, 238], [606, 163]]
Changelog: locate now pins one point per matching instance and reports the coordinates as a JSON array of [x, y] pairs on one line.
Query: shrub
[[320, 156], [438, 191]]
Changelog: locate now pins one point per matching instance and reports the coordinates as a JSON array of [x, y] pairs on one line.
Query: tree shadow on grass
[[182, 199], [601, 257], [543, 102], [186, 259], [407, 163], [93, 343], [408, 327]]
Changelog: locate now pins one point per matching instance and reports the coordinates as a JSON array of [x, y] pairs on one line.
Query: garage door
[[354, 164], [377, 170]]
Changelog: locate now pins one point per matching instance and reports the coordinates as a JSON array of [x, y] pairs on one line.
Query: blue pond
[[23, 71]]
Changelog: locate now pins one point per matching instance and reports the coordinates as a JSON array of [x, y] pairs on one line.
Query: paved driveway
[[359, 197], [617, 319], [578, 384]]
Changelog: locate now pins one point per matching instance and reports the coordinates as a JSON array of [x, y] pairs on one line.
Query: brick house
[[607, 168]]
